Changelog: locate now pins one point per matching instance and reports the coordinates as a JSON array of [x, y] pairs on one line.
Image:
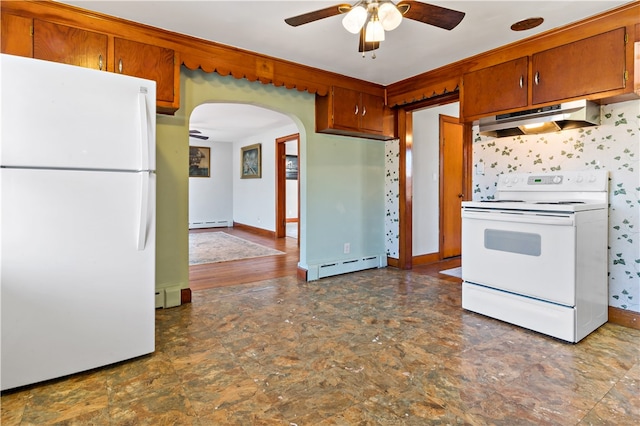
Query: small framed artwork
[[251, 161], [291, 167], [199, 161]]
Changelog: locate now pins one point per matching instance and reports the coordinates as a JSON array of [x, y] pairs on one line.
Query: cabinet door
[[69, 45], [147, 61], [346, 108], [497, 88], [595, 64], [15, 35], [371, 113]]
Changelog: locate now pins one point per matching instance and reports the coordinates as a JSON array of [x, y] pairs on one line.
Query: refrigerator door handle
[[144, 210], [144, 129]]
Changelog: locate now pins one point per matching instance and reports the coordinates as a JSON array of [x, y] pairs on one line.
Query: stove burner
[[560, 202]]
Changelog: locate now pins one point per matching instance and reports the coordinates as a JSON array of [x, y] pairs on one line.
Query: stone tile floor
[[379, 347]]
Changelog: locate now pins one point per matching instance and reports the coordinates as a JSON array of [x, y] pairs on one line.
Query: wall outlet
[[347, 248]]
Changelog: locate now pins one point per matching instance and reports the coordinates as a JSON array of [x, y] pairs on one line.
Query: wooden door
[[346, 108], [69, 45], [593, 65], [15, 35], [496, 88], [147, 61], [451, 185]]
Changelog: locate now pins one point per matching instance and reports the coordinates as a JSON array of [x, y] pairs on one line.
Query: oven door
[[526, 253]]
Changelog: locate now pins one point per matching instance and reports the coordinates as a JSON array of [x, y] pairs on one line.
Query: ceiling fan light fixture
[[354, 20], [389, 16], [374, 31]]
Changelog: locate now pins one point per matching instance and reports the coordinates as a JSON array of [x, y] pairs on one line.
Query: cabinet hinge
[[626, 38], [31, 30], [626, 75]]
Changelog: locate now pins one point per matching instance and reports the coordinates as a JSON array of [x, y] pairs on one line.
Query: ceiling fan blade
[[327, 12], [431, 14], [194, 131], [366, 46], [204, 138]]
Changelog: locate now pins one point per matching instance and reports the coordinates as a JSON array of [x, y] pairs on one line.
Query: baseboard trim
[[393, 262], [624, 317], [185, 296], [253, 229], [301, 274], [291, 220], [426, 259]]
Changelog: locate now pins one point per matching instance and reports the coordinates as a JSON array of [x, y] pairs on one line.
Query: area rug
[[454, 272], [212, 247]]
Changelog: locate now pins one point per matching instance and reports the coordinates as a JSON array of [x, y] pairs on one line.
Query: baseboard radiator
[[328, 269], [211, 224]]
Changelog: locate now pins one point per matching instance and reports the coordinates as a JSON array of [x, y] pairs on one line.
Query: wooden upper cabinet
[[69, 45], [15, 35], [353, 113], [496, 88], [150, 62], [592, 65], [372, 114], [346, 108]]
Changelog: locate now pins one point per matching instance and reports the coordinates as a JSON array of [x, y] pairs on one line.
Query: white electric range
[[536, 255]]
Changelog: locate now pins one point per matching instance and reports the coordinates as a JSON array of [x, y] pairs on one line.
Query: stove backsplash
[[614, 146]]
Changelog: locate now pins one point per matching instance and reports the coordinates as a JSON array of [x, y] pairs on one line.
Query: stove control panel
[[566, 181], [545, 180]]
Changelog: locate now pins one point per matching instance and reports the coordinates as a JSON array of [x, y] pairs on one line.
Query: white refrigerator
[[77, 219]]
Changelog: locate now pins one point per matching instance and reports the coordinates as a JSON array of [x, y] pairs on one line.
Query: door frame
[[405, 135], [281, 182]]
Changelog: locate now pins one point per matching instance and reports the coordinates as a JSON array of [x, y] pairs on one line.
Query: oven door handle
[[541, 219]]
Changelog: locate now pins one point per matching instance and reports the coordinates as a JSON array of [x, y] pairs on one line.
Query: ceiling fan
[[197, 134], [371, 18]]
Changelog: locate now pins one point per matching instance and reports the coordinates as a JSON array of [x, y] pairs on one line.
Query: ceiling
[[410, 49]]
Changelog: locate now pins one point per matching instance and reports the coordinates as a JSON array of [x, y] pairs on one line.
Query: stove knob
[[579, 179], [592, 178], [505, 179], [557, 179], [514, 180]]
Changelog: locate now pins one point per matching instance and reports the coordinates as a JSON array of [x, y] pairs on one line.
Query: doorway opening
[[223, 199]]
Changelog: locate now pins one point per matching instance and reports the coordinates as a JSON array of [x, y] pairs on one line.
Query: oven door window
[[512, 253], [513, 242]]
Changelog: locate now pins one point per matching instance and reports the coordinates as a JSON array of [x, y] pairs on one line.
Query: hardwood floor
[[246, 271]]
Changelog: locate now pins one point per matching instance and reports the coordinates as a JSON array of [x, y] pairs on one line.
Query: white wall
[[211, 198], [254, 201], [426, 177]]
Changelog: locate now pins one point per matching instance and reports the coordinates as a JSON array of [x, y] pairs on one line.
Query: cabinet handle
[[356, 111], [364, 111], [100, 62], [536, 78], [521, 81], [120, 66]]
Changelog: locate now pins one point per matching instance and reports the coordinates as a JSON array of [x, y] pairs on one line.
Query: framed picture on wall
[[291, 167], [199, 161], [251, 161]]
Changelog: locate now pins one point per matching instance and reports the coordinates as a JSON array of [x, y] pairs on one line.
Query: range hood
[[553, 118]]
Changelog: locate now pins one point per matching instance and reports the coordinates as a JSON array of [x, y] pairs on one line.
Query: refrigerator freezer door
[[63, 116], [77, 288]]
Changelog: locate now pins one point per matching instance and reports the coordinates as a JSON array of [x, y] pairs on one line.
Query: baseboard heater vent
[[329, 269], [211, 224]]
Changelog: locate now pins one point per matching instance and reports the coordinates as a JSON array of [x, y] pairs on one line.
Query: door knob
[[460, 195]]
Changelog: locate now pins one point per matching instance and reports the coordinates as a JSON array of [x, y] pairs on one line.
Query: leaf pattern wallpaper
[[613, 146]]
